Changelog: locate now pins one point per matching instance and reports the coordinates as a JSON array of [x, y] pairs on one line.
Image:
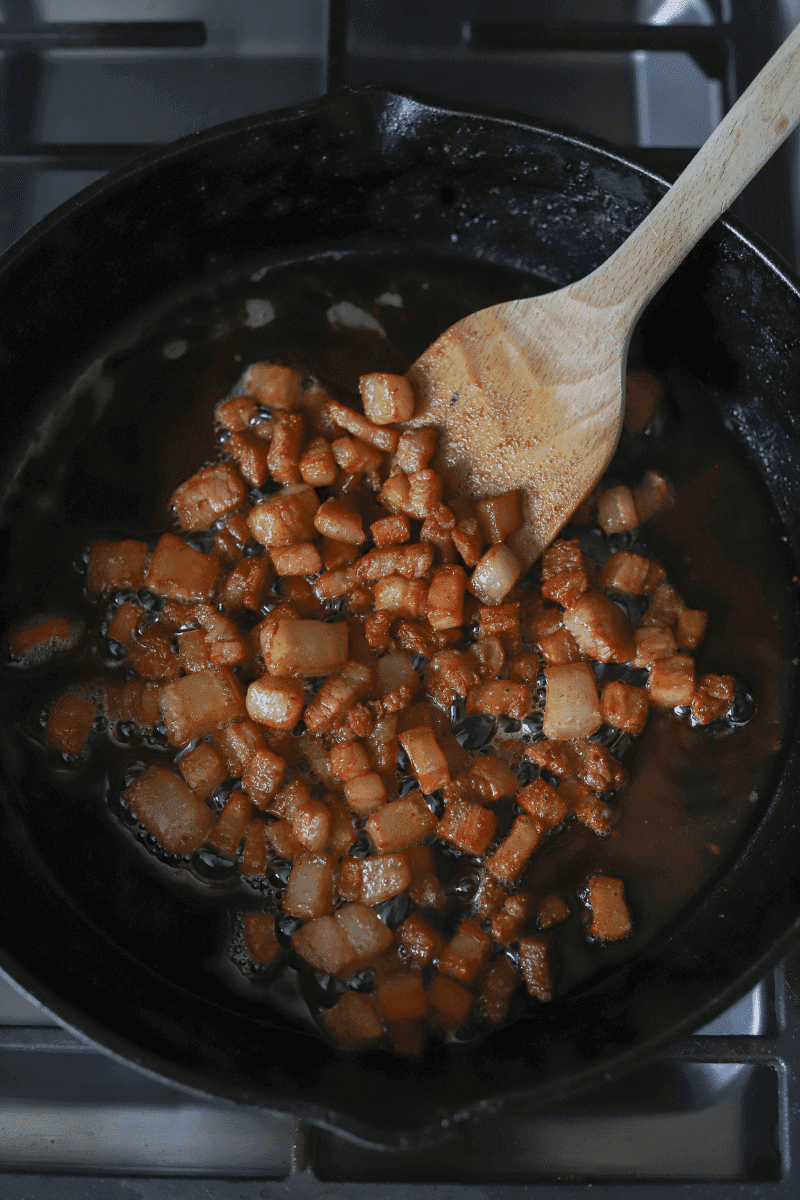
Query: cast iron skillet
[[349, 193]]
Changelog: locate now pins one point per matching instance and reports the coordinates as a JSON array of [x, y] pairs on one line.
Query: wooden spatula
[[530, 394]]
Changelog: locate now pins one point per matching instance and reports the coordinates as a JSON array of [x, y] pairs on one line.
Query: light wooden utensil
[[530, 394]]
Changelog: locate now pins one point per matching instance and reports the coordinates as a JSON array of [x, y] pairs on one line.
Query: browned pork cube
[[468, 826], [204, 769], [238, 744], [211, 493], [275, 702], [652, 644], [355, 456], [286, 518], [365, 932], [56, 633], [302, 559], [150, 655], [311, 824], [525, 667], [323, 944], [490, 896], [281, 837], [274, 386], [170, 810], [306, 647], [390, 531], [445, 604], [401, 597], [362, 429], [543, 803], [600, 628], [69, 723], [467, 952], [624, 706], [284, 450], [317, 464], [497, 989], [115, 565], [263, 776], [338, 694], [690, 627], [401, 996], [449, 1003], [309, 892], [566, 587], [495, 575], [193, 650], [415, 449], [671, 681], [252, 457], [610, 917], [237, 413], [552, 911], [400, 824], [492, 778], [712, 698], [625, 572], [123, 626], [467, 542], [353, 1021], [590, 810], [200, 703], [340, 522], [384, 876], [133, 701], [509, 923], [651, 494], [259, 935], [534, 957], [366, 794], [420, 940], [499, 696], [664, 608], [427, 760], [571, 704], [386, 398], [507, 861], [499, 516], [255, 854], [178, 570], [231, 824], [342, 834], [450, 674], [642, 394], [616, 510]]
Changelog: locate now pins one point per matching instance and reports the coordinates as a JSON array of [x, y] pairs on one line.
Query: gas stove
[[87, 86]]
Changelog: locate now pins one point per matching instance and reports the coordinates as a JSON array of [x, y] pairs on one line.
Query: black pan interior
[[126, 316]]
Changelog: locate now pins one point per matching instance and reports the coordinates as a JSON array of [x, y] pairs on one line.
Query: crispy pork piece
[[69, 723], [571, 704], [179, 571], [170, 810], [211, 493], [534, 957], [198, 704], [611, 919]]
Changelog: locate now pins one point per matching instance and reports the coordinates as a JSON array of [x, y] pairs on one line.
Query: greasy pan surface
[[360, 194]]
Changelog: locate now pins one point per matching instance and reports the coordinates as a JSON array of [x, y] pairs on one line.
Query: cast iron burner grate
[[718, 1112]]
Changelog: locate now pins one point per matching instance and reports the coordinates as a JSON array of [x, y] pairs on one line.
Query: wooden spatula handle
[[740, 145]]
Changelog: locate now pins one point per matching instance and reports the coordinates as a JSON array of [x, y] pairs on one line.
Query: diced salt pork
[[386, 398], [497, 989], [500, 696], [123, 626], [393, 672], [664, 608], [317, 465], [394, 493], [412, 562], [467, 543], [509, 923], [382, 745], [348, 760], [285, 518], [204, 769], [348, 879], [274, 386], [337, 694], [209, 494], [69, 723], [499, 516], [495, 575], [338, 521], [178, 570], [231, 824], [403, 597], [364, 430], [590, 810], [445, 603], [322, 944], [237, 413], [306, 648], [449, 1002], [301, 559], [489, 897], [365, 932], [653, 643], [690, 627], [713, 697], [571, 704], [566, 587], [467, 952], [401, 996], [353, 1021], [355, 456], [389, 531], [284, 450], [624, 706], [309, 892], [451, 674], [525, 667], [366, 794], [196, 705], [263, 776], [626, 572], [470, 827], [651, 494], [534, 957], [507, 861], [247, 585], [559, 647], [275, 701], [543, 803], [170, 810], [424, 491], [400, 824], [150, 655], [616, 510], [343, 833], [115, 565], [642, 394], [420, 940], [671, 681], [252, 457], [256, 854], [416, 448], [611, 919], [311, 824], [280, 836], [552, 911], [600, 628], [427, 760], [260, 937], [57, 634], [492, 777]]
